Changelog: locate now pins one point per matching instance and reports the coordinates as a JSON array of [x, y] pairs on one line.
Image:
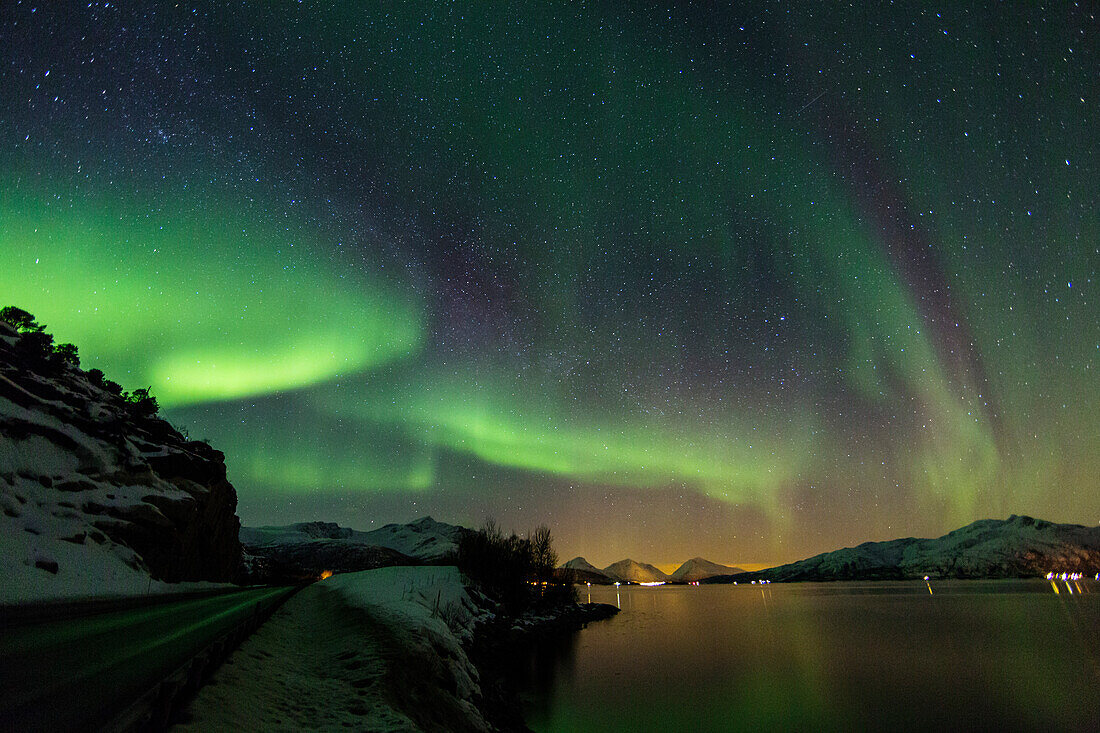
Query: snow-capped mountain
[[425, 539], [697, 569], [989, 548], [98, 495], [629, 571], [585, 572], [315, 546]]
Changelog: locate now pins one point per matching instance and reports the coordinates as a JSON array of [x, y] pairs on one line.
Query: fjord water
[[883, 655]]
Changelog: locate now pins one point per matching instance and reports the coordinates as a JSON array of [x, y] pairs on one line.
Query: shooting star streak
[[819, 96]]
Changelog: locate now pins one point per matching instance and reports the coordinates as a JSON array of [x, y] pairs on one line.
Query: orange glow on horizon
[[668, 568]]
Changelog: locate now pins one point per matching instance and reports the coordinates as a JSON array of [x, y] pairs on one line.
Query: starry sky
[[747, 281]]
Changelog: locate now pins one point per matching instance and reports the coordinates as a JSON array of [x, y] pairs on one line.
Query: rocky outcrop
[[89, 480]]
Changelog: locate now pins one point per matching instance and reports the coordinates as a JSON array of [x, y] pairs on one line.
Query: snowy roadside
[[379, 650]]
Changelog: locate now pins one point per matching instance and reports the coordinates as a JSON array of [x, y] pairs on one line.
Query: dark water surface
[[977, 655]]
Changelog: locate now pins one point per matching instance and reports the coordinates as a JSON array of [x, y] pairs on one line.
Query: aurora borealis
[[748, 283]]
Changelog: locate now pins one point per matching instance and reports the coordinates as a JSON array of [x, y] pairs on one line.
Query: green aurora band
[[705, 306], [506, 423], [197, 308]]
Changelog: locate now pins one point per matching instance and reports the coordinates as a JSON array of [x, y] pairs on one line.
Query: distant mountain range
[[989, 548], [629, 571], [1019, 546], [311, 547]]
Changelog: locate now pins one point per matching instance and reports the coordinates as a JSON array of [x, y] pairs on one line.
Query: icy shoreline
[[381, 650]]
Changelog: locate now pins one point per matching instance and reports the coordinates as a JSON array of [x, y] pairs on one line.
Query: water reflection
[[975, 654], [538, 666]]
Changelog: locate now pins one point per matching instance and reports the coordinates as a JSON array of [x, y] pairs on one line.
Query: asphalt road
[[77, 671]]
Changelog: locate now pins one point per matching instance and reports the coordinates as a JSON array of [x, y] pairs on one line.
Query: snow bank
[[378, 650], [433, 596]]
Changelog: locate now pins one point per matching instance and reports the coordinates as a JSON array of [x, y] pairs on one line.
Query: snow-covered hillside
[[316, 546], [98, 498], [989, 548], [697, 569], [585, 572], [629, 571], [425, 539]]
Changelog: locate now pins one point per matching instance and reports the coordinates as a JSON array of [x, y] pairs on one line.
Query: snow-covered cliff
[[97, 497]]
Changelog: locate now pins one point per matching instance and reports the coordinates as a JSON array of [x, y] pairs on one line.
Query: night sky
[[748, 283]]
